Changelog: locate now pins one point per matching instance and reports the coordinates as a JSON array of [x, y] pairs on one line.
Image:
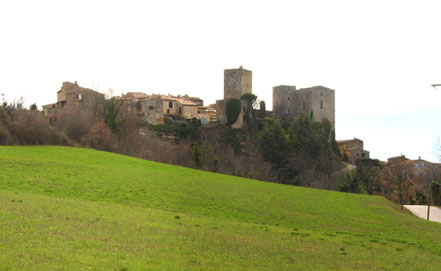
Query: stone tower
[[237, 82], [282, 100], [317, 102]]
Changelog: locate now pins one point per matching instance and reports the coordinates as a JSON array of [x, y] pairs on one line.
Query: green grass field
[[78, 209]]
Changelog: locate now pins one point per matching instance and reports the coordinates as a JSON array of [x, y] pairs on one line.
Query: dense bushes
[[233, 108], [293, 151], [5, 136], [75, 122], [300, 150], [19, 126]]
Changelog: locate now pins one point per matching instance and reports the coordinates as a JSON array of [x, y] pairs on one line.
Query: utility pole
[[428, 205]]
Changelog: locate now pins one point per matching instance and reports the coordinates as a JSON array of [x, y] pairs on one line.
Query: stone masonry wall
[[236, 83], [317, 101]]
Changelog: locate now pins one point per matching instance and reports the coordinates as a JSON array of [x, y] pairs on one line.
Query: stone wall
[[352, 150], [189, 111], [237, 82], [318, 102], [221, 113], [167, 109], [71, 94], [350, 144], [282, 99], [153, 110]]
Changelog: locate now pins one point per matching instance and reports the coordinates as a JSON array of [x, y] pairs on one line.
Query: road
[[421, 212], [343, 170]]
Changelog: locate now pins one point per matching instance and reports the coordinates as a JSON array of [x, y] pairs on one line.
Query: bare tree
[[396, 183], [109, 94], [430, 177], [75, 122]]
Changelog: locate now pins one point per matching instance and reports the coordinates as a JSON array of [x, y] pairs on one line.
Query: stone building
[[318, 102], [408, 178], [71, 94], [396, 160], [157, 107], [236, 83], [134, 96], [211, 110], [352, 150], [131, 101]]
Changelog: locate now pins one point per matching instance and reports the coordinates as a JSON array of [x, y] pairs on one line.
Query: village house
[[352, 150], [211, 110], [153, 108], [131, 101], [157, 107], [71, 94], [411, 177]]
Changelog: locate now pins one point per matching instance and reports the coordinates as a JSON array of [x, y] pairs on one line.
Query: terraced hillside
[[77, 209]]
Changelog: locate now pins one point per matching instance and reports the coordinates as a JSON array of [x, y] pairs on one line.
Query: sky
[[380, 57]]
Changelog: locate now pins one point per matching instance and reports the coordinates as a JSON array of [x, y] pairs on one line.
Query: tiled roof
[[348, 140], [136, 95]]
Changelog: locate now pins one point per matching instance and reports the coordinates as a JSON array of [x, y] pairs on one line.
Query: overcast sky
[[380, 56]]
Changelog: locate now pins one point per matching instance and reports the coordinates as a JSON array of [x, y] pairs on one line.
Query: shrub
[[75, 122], [197, 155], [5, 136], [100, 137], [32, 128]]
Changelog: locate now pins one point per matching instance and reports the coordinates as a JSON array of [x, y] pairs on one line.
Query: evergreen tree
[[274, 145], [197, 155], [233, 108], [111, 115]]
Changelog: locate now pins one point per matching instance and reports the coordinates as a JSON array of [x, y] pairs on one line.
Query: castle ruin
[[237, 82], [317, 102]]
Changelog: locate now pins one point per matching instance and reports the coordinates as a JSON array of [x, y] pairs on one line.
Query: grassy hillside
[[76, 209]]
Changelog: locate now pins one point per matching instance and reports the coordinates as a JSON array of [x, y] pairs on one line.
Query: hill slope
[[79, 209]]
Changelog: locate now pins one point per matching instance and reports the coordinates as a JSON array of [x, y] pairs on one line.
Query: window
[[289, 110], [244, 117], [321, 104], [304, 106], [243, 109], [168, 111], [362, 154], [199, 112], [150, 107], [321, 94], [289, 98], [170, 104], [180, 110]]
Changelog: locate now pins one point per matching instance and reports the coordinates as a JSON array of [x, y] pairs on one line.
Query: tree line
[[292, 150]]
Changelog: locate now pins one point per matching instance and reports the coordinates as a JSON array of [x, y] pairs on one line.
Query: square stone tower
[[237, 82], [283, 100], [317, 102]]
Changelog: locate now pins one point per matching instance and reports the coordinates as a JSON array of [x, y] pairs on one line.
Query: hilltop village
[[292, 144], [316, 102]]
